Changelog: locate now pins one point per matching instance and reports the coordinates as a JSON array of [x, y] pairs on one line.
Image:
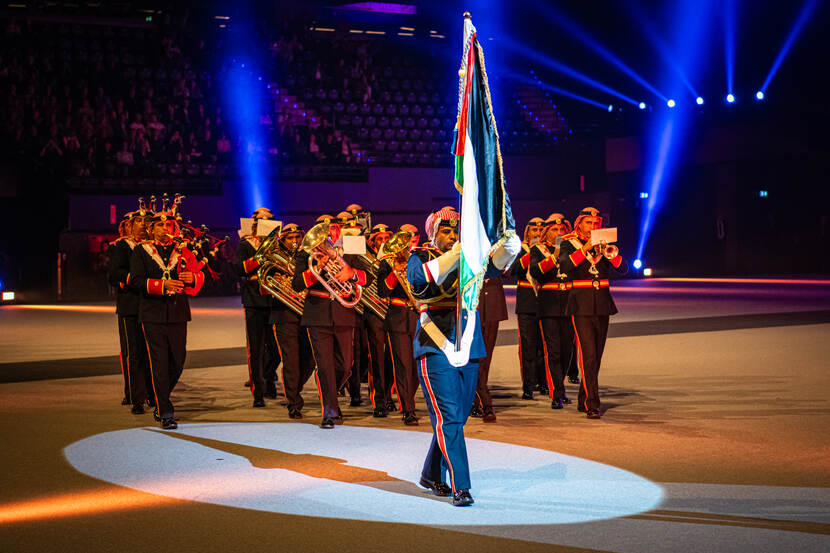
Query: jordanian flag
[[486, 217]]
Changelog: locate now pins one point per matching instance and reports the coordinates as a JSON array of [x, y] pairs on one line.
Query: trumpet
[[397, 249], [324, 262], [609, 251]]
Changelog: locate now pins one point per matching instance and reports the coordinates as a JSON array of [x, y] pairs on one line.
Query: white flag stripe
[[474, 241]]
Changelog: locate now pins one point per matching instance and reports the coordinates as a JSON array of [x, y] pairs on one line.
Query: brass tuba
[[323, 266], [275, 272], [394, 249]]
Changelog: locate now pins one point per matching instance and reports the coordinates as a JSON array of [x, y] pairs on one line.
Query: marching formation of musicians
[[344, 302]]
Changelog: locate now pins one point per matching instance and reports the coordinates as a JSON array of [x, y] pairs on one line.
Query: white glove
[[504, 255]]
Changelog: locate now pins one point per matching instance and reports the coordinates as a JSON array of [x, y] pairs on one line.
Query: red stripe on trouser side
[[248, 353], [439, 421], [371, 380], [150, 361], [547, 365], [394, 370], [579, 361], [127, 372], [316, 375], [521, 369], [282, 369]]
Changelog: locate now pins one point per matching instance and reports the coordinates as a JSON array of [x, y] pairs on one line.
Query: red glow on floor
[[78, 504]]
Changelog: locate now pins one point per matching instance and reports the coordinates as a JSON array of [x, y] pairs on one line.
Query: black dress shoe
[[476, 412], [527, 395], [410, 419], [574, 379], [355, 402], [138, 409], [247, 383], [379, 413], [169, 423], [391, 407], [489, 415], [441, 489], [156, 415], [259, 402], [594, 414], [327, 423], [462, 498], [566, 400], [556, 404], [544, 391], [126, 401], [295, 414]]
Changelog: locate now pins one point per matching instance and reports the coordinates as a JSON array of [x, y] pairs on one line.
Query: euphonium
[[275, 272], [325, 266], [395, 249]]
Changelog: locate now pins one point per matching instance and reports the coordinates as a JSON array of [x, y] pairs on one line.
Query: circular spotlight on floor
[[638, 263], [642, 105], [730, 98], [699, 100], [610, 108], [759, 95], [671, 103]]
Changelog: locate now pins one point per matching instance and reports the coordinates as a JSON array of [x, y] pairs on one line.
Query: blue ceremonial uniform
[[449, 390]]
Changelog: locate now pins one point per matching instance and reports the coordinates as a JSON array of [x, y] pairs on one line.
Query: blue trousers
[[449, 393]]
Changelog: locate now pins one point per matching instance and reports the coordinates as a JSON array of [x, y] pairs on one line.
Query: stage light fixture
[[638, 263], [671, 103], [730, 98], [642, 105], [759, 95], [699, 100], [647, 272], [610, 108], [8, 296]]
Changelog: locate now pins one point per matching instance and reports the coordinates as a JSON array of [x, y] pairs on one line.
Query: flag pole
[[459, 307]]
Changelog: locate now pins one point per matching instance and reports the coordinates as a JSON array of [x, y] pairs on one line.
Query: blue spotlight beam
[[244, 103], [556, 89], [653, 36], [572, 28], [562, 68], [730, 9], [803, 15]]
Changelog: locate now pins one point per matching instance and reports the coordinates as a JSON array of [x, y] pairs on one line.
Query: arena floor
[[715, 437]]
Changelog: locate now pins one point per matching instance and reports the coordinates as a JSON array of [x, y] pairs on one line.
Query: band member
[[126, 309], [589, 306], [492, 309], [291, 338], [433, 274], [526, 308], [330, 325], [400, 323], [350, 225], [416, 235], [259, 336], [554, 325], [165, 275], [381, 377]]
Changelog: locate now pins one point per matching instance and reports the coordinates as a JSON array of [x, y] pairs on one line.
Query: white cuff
[[438, 269]]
